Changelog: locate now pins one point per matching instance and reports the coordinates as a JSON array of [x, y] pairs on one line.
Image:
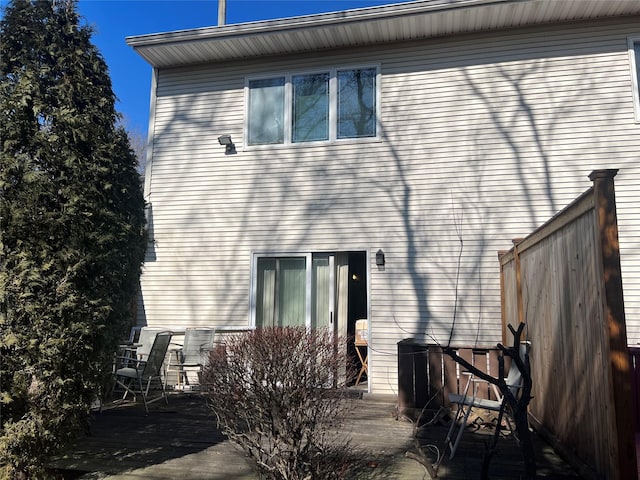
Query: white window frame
[[632, 42], [333, 106], [247, 94]]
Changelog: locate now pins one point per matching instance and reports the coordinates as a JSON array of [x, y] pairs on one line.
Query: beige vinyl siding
[[487, 135]]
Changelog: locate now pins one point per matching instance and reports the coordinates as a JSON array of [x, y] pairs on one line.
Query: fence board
[[422, 364], [451, 378], [436, 385], [634, 357]]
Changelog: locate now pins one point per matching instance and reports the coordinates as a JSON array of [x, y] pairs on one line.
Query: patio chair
[[134, 334], [138, 378], [145, 341], [192, 355], [468, 399], [126, 350]]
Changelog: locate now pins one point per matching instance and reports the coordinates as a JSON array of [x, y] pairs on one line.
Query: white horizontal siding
[[487, 135]]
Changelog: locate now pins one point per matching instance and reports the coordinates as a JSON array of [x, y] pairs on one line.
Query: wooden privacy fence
[[564, 282], [426, 376], [634, 359]]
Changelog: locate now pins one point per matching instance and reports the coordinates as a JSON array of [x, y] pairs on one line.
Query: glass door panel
[[265, 292], [291, 311], [281, 292], [323, 291]]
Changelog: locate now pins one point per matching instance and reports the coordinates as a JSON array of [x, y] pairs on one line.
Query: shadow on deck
[[180, 440], [506, 464]]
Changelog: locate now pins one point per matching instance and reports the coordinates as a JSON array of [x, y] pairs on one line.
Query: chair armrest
[[493, 405], [129, 347], [192, 365], [129, 360], [494, 387]]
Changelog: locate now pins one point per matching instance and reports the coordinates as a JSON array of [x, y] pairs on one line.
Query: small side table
[[362, 342]]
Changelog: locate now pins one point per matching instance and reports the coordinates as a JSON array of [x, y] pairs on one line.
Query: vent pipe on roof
[[222, 12]]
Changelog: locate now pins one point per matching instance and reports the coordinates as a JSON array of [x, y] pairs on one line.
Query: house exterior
[[381, 158]]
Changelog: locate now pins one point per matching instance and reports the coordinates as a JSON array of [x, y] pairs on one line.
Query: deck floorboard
[[180, 441]]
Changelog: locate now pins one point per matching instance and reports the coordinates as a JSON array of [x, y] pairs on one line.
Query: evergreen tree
[[71, 230]]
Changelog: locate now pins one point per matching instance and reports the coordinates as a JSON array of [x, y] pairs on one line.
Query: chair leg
[[491, 447], [164, 392], [363, 362], [182, 377], [144, 394], [447, 441], [144, 390], [178, 369], [454, 422], [162, 389], [112, 388], [496, 434], [463, 425], [127, 389]]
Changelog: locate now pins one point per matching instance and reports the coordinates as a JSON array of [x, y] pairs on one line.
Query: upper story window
[[313, 107], [266, 111], [634, 60]]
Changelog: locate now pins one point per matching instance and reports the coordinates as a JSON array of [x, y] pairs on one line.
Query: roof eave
[[321, 31]]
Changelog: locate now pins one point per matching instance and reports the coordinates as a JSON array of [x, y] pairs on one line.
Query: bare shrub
[[279, 394]]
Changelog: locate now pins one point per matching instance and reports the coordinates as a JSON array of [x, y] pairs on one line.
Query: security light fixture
[[229, 146], [380, 258]]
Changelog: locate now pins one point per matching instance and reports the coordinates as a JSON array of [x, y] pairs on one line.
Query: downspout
[[150, 136]]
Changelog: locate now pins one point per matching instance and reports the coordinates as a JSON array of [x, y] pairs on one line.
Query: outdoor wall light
[[380, 258], [229, 146]]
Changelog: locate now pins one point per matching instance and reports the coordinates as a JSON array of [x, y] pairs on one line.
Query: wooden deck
[[180, 441], [506, 464]]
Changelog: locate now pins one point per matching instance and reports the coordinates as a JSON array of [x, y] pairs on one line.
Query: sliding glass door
[[294, 290]]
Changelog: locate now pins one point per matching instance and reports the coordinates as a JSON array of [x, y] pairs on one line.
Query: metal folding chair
[[468, 400], [138, 378]]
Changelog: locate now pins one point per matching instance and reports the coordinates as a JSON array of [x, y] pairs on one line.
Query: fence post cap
[[605, 173]]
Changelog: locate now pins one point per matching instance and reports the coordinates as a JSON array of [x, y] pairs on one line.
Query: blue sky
[[113, 20]]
